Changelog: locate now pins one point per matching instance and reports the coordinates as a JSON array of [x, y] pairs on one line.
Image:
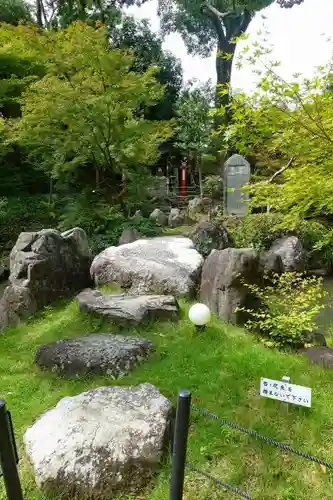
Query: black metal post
[[8, 456], [180, 444]]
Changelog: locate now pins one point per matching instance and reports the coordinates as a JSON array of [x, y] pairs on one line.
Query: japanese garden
[[159, 234]]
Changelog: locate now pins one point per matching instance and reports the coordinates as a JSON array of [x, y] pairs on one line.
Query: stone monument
[[237, 173]]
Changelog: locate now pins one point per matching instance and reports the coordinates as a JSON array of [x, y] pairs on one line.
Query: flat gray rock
[[320, 356], [129, 309], [101, 444], [97, 354], [164, 265]]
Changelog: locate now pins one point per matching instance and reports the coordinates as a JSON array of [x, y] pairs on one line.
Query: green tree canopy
[[194, 121], [88, 109], [146, 46], [14, 11], [292, 119], [19, 66], [62, 13], [213, 24]]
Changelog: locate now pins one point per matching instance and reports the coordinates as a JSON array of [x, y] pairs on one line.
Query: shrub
[[260, 230], [30, 213], [213, 187], [102, 222], [289, 309], [316, 237], [256, 231]]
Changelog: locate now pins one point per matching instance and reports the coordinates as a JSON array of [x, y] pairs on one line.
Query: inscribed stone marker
[[236, 174]]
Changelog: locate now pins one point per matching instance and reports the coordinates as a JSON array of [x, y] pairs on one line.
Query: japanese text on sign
[[283, 391]]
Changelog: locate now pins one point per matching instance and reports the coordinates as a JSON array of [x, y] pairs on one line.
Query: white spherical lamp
[[199, 314]]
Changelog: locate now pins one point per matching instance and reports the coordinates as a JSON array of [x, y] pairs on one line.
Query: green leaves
[[14, 11], [88, 108], [285, 119], [194, 121], [290, 307]]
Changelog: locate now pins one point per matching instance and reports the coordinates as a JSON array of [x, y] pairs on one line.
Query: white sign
[[283, 391]]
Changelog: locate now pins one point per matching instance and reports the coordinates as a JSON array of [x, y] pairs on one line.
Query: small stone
[[158, 217], [129, 235], [137, 216], [176, 218], [195, 206]]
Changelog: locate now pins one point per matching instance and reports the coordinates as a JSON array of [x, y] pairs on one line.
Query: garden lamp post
[[199, 314]]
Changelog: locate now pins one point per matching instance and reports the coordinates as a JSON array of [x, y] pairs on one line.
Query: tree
[[14, 11], [146, 46], [88, 109], [61, 13], [194, 124], [19, 66], [213, 24], [294, 119]]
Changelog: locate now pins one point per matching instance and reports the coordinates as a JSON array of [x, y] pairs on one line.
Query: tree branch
[[281, 170], [215, 11], [217, 19]]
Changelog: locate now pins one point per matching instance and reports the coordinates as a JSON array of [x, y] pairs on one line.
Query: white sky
[[296, 34]]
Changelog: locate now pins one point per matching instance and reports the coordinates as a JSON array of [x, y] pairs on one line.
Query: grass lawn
[[222, 368]]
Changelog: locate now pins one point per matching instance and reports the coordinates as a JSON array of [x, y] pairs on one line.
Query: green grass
[[184, 230], [222, 368]]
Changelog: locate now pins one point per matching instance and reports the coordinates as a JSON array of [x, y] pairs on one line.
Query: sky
[[299, 36]]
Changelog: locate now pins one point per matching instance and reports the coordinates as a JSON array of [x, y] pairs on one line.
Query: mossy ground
[[222, 367]]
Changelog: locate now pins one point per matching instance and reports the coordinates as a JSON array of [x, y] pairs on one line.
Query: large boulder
[[158, 217], [176, 218], [129, 235], [129, 309], [97, 354], [224, 275], [44, 266], [163, 265], [292, 253], [100, 444], [207, 237]]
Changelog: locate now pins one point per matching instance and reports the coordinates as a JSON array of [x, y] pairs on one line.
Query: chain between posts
[[219, 483], [257, 435]]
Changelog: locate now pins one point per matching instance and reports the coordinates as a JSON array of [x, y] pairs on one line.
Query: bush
[[316, 237], [213, 187], [256, 231], [290, 306], [103, 223], [260, 230], [23, 214]]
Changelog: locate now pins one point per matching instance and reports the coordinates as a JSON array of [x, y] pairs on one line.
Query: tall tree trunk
[[223, 73], [228, 26], [39, 13]]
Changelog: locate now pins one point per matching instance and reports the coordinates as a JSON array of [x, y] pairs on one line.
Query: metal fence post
[[180, 444], [8, 456]]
